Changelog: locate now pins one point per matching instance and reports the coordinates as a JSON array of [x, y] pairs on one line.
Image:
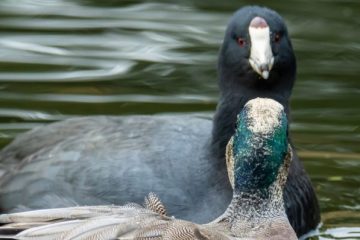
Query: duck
[[95, 160], [258, 158]]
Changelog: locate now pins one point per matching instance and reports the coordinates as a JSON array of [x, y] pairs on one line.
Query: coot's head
[[257, 55]]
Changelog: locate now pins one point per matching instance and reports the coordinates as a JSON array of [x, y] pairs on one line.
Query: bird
[[95, 160], [258, 157]]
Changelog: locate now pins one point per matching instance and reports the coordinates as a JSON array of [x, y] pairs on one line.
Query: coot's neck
[[235, 91]]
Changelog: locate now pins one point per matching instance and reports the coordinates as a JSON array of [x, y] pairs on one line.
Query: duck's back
[[96, 160]]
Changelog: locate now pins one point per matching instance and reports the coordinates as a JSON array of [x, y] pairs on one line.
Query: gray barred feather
[[183, 230], [153, 231], [128, 223]]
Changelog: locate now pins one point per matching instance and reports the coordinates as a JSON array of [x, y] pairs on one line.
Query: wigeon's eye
[[241, 41], [277, 38]]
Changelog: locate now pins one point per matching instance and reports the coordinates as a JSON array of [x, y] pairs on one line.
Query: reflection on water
[[65, 58]]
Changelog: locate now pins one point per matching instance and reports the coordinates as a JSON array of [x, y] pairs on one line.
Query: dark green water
[[62, 58]]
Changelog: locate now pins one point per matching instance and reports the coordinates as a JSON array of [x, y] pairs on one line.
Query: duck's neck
[[256, 207]]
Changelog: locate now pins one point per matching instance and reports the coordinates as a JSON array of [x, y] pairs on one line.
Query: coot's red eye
[[277, 38], [241, 42]]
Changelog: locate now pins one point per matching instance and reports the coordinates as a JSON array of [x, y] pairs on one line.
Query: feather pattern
[[154, 203]]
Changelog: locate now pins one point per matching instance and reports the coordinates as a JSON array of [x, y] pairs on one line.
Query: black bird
[[114, 160]]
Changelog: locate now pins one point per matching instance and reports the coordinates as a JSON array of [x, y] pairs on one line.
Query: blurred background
[[66, 58]]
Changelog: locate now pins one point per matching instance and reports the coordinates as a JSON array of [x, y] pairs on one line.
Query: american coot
[[258, 159], [114, 160]]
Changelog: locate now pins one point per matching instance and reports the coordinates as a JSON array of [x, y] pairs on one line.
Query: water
[[61, 59]]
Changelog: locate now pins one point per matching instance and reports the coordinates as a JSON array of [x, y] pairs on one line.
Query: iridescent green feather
[[258, 158]]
